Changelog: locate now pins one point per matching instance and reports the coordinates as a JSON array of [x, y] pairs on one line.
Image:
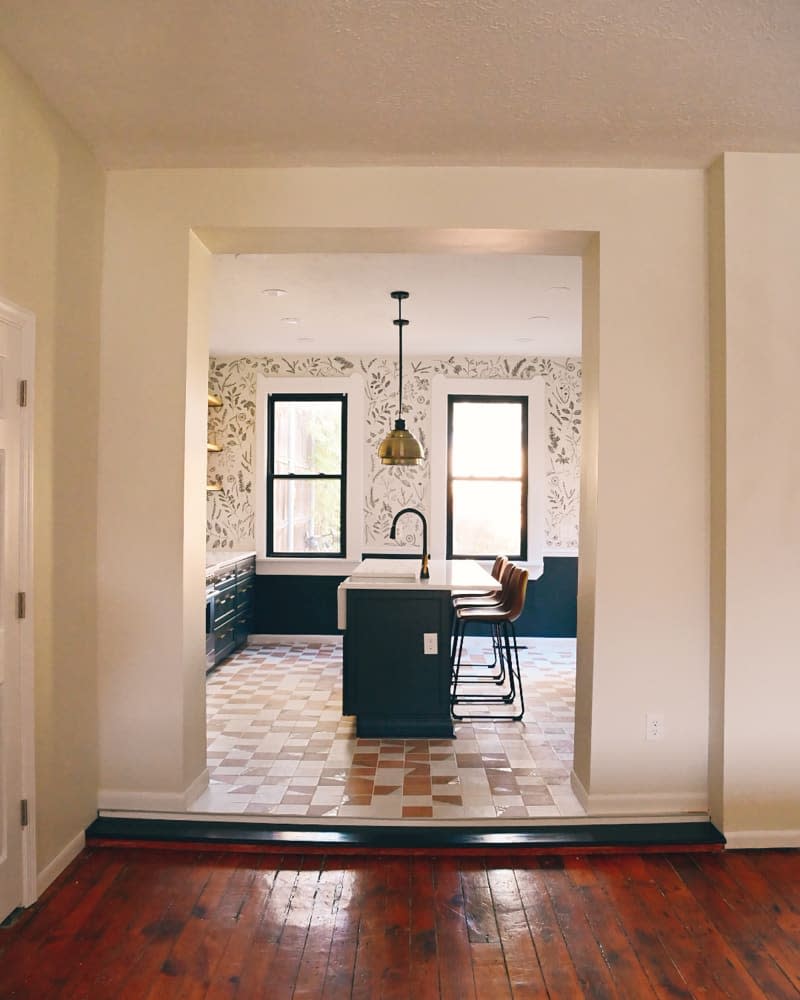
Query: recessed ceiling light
[[292, 320], [559, 288], [274, 293], [538, 317]]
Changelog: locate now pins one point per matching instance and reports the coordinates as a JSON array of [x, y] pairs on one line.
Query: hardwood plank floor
[[151, 924]]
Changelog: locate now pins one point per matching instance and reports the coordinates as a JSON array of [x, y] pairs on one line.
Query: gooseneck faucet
[[424, 573]]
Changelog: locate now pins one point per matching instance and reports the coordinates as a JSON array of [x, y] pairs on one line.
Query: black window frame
[[452, 400], [272, 476]]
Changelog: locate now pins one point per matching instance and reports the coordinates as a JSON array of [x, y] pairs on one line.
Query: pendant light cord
[[400, 323], [400, 379]]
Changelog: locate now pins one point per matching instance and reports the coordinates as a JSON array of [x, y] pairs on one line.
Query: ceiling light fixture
[[274, 293], [400, 447], [292, 320], [538, 317]]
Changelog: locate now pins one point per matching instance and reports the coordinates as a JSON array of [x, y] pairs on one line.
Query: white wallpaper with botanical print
[[231, 512]]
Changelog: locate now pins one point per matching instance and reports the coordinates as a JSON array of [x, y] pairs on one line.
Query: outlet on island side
[[430, 643], [654, 726]]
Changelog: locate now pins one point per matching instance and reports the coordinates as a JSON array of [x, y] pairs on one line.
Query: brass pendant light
[[400, 447]]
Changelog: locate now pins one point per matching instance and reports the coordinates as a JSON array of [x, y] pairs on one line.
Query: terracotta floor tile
[[359, 786], [417, 812], [284, 745], [469, 760], [385, 789], [356, 800], [418, 771], [416, 786]]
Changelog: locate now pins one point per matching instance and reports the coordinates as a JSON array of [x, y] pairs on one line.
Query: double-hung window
[[308, 465], [307, 475], [487, 476]]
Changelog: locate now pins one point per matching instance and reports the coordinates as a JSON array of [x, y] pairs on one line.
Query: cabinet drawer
[[245, 603], [226, 580], [224, 642], [224, 607], [241, 630]]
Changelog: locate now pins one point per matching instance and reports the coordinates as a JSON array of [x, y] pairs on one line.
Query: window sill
[[305, 567]]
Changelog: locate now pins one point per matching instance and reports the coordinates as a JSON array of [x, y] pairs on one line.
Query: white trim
[[109, 798], [60, 862], [290, 640], [196, 789], [25, 321], [561, 553], [579, 791], [672, 804], [740, 840], [306, 567], [534, 389], [353, 387]]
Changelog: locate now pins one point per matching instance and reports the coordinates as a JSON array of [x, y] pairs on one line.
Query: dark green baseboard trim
[[490, 840]]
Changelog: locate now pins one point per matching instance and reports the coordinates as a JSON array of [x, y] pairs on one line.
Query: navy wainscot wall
[[306, 605]]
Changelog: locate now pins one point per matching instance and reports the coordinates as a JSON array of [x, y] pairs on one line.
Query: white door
[[14, 713]]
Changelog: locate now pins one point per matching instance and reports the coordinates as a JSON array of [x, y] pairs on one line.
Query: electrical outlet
[[654, 726], [430, 643]]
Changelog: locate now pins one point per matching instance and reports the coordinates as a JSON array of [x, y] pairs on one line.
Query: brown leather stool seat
[[463, 599]]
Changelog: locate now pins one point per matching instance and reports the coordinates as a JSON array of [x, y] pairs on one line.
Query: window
[[487, 476], [306, 480], [530, 434], [308, 473]]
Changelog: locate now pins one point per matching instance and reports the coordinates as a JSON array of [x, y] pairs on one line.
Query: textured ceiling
[[508, 304], [287, 82]]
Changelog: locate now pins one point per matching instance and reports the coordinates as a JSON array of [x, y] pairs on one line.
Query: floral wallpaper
[[231, 512]]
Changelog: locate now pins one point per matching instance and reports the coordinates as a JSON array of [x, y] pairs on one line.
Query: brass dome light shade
[[400, 447]]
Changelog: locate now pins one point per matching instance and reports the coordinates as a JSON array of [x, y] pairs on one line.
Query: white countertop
[[219, 559], [403, 574]]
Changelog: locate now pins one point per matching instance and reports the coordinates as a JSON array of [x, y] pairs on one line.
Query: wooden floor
[[145, 923]]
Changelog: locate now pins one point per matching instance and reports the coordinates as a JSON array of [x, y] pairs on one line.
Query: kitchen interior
[[333, 573]]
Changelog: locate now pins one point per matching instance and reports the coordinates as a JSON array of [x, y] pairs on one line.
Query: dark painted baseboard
[[499, 839], [306, 605]]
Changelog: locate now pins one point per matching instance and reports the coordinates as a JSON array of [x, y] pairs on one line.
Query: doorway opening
[[278, 744]]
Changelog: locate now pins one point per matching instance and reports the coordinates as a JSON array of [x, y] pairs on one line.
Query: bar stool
[[463, 597], [488, 599], [501, 619]]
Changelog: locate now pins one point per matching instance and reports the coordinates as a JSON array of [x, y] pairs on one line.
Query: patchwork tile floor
[[278, 745]]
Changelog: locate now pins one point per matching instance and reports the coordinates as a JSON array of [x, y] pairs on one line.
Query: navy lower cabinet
[[390, 683], [229, 610]]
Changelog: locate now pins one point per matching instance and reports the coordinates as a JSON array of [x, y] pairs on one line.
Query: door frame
[[25, 322]]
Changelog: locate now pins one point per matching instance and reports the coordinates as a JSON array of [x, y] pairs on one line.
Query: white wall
[[51, 207], [650, 587], [756, 746]]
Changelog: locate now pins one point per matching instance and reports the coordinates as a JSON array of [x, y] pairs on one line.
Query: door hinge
[[23, 812], [21, 604], [23, 392]]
